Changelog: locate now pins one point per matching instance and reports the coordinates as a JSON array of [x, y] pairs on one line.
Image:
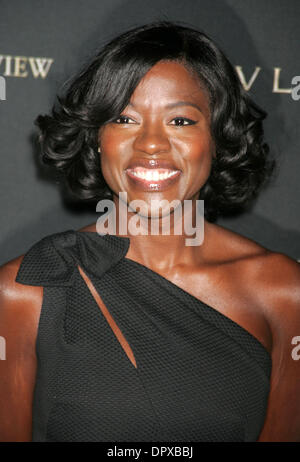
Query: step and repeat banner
[[44, 43]]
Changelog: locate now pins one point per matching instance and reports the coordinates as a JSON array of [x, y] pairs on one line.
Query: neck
[[162, 242]]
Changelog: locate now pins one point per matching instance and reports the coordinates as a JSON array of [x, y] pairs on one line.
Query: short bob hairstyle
[[102, 90]]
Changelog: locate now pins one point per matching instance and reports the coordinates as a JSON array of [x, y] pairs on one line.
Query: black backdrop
[[43, 42]]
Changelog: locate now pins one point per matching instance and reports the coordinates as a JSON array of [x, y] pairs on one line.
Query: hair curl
[[102, 90]]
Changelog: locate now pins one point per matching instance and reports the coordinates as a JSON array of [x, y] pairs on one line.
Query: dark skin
[[256, 288]]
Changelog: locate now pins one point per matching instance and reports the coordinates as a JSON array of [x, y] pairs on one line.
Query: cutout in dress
[[112, 323]]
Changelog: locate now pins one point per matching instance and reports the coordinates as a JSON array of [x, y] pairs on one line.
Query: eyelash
[[190, 121]]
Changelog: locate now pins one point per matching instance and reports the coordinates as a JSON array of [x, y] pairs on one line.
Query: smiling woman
[[101, 93], [168, 113], [142, 337]]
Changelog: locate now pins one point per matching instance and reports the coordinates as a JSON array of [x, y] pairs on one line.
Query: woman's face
[[161, 146]]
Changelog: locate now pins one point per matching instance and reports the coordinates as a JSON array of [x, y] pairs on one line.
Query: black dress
[[199, 377]]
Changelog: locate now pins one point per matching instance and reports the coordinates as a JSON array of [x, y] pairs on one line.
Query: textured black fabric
[[199, 377]]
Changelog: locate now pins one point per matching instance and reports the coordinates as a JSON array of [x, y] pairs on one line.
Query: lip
[[152, 163]]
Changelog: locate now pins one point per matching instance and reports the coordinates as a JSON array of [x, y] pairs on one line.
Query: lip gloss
[[152, 179]]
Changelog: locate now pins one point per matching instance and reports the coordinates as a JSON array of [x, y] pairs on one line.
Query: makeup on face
[[152, 174], [161, 142]]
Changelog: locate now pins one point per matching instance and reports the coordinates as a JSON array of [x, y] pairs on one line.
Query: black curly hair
[[101, 91]]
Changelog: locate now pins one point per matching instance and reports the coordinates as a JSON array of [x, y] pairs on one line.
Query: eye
[[123, 120], [180, 121]]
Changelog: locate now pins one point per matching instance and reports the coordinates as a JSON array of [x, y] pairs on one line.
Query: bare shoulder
[[13, 292], [273, 279], [272, 275], [270, 281], [277, 281], [20, 307]]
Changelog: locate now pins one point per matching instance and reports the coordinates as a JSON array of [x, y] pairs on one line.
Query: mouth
[[153, 174], [152, 179]]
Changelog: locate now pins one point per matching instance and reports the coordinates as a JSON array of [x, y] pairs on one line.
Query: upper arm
[[282, 306], [20, 307]]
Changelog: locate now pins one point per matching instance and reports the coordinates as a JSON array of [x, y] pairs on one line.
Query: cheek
[[113, 148], [198, 151], [110, 143], [197, 159]]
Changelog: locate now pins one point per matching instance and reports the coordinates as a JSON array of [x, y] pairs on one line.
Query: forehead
[[168, 82]]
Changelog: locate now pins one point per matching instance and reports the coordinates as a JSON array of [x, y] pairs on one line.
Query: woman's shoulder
[[230, 245], [17, 298], [20, 307], [270, 277], [260, 264], [270, 281], [20, 277]]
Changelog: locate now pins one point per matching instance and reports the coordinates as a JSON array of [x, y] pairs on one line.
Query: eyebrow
[[177, 104]]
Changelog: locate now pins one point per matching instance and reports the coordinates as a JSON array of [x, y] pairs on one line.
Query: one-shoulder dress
[[199, 377]]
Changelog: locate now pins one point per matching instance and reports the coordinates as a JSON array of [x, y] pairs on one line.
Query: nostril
[[152, 143]]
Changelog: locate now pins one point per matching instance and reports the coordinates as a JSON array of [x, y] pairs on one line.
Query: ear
[[99, 140]]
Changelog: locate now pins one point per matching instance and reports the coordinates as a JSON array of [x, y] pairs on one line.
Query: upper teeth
[[153, 175]]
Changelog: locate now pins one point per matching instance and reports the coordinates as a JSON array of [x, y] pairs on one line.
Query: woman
[[141, 337]]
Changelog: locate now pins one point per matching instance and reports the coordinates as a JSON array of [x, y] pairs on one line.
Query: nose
[[151, 140]]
